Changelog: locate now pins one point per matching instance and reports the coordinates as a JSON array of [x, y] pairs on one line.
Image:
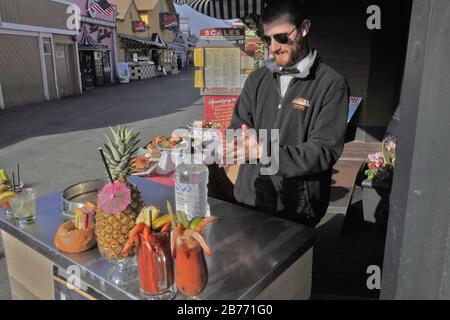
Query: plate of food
[[144, 163], [166, 143], [204, 125], [166, 150]]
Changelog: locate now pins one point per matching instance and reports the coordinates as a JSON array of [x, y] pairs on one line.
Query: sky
[[197, 20]]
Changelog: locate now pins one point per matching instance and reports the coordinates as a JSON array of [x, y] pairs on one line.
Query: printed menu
[[222, 68], [219, 109]]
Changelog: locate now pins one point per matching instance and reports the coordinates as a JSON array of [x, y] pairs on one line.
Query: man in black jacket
[[307, 101]]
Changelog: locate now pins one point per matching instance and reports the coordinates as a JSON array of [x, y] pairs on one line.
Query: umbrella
[[114, 197]]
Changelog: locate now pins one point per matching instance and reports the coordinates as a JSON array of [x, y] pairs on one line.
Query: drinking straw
[[171, 214], [106, 165], [18, 175], [14, 182], [151, 222]]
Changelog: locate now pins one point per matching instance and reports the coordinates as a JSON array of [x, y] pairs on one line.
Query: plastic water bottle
[[191, 190]]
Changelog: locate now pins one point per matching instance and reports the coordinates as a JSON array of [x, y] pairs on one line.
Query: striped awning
[[147, 42], [225, 9], [156, 38], [87, 41]]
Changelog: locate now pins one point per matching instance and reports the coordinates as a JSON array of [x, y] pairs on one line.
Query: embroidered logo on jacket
[[300, 104]]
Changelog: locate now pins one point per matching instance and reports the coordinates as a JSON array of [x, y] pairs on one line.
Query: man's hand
[[247, 150]]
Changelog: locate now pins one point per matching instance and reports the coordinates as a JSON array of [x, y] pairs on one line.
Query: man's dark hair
[[295, 9]]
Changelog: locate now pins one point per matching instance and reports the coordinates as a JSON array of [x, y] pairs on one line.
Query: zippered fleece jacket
[[312, 121]]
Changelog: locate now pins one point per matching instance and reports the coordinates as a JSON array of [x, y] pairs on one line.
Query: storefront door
[[64, 68], [99, 75], [87, 69], [95, 68], [107, 67]]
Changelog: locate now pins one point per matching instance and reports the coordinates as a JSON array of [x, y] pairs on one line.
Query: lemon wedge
[[5, 196]]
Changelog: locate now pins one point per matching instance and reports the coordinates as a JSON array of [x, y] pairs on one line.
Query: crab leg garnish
[[133, 236], [176, 233], [199, 239], [201, 226], [166, 227]]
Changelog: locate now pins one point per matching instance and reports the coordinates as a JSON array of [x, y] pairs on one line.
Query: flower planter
[[375, 198]]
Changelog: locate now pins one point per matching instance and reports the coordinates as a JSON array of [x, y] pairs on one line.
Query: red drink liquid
[[191, 271], [155, 266]]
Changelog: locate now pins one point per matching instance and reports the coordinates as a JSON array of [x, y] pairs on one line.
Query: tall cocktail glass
[[155, 267], [191, 271]]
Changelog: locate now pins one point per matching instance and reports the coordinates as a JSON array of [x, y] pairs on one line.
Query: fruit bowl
[[76, 196]]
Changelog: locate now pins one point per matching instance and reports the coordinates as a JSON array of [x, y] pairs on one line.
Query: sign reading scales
[[222, 34]]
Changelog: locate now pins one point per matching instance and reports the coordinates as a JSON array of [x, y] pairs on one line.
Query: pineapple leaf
[[120, 131], [115, 133], [108, 154], [122, 134], [131, 134], [111, 162], [127, 134], [121, 147], [113, 150], [109, 142], [121, 153], [121, 173], [132, 149]]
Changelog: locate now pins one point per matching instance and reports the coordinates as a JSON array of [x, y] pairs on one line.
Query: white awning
[[141, 40], [225, 9], [156, 38]]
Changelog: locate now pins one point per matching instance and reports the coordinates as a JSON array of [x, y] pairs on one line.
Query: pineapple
[[112, 230]]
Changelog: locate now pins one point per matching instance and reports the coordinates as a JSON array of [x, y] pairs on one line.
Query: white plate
[[162, 147], [148, 171], [154, 164]]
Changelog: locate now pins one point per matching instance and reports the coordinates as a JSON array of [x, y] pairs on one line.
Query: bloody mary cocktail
[[155, 266], [191, 271]]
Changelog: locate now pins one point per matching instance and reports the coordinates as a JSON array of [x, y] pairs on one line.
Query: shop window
[[144, 17], [47, 46]]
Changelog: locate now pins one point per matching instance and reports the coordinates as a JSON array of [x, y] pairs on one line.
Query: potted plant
[[376, 186]]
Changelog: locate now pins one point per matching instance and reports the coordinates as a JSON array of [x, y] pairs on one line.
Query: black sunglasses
[[282, 38]]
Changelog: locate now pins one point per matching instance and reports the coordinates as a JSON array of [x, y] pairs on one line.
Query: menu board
[[219, 109], [247, 61], [222, 68]]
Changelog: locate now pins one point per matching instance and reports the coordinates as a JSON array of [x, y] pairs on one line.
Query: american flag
[[102, 6]]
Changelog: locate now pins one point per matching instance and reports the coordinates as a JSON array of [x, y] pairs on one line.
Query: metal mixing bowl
[[77, 195]]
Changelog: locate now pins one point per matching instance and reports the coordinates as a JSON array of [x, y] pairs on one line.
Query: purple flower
[[376, 157]]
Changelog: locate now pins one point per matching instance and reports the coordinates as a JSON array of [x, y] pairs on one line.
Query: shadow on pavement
[[98, 108], [341, 261]]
